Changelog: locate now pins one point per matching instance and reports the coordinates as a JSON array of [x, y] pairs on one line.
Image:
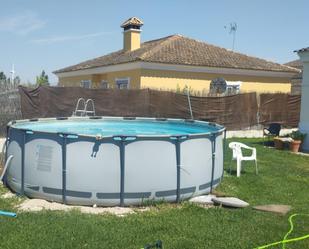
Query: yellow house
[[173, 62]]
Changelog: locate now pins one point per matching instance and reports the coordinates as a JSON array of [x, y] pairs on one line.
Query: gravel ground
[[254, 133], [34, 205]]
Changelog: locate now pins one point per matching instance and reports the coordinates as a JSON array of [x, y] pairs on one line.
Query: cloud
[[64, 38], [21, 24]]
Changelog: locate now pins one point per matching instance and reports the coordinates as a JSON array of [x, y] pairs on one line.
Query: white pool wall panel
[[219, 157], [196, 163], [100, 170], [149, 169]]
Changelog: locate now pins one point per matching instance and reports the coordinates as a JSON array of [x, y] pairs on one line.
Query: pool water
[[118, 127]]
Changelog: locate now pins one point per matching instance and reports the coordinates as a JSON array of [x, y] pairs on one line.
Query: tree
[[42, 80], [16, 81], [6, 83], [2, 76]]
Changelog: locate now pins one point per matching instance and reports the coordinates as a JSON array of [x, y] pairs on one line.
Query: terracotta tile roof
[[177, 49], [132, 21], [296, 64]]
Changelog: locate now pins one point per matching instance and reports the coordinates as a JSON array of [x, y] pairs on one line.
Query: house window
[[123, 83], [104, 84], [233, 87], [85, 83]]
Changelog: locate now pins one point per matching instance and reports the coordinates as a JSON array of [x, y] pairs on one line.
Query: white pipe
[[3, 151], [6, 166], [189, 102]]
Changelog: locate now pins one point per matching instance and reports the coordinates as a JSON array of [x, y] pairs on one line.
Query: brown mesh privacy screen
[[235, 111], [280, 108]]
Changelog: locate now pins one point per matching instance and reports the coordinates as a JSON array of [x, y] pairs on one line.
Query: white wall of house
[[304, 113]]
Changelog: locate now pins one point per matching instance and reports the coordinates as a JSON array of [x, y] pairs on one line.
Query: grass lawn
[[283, 179]]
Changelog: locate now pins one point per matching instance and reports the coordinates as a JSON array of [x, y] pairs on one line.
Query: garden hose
[[9, 214], [285, 240], [158, 244]]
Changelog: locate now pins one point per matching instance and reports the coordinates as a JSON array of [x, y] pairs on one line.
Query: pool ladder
[[81, 108]]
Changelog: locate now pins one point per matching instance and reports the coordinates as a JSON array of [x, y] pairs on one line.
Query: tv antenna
[[232, 31], [12, 72]]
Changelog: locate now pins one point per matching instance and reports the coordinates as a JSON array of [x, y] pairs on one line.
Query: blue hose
[[10, 214]]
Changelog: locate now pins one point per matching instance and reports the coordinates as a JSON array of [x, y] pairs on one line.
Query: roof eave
[[302, 50], [176, 67]]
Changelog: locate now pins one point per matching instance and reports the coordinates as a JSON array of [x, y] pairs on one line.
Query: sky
[[38, 35]]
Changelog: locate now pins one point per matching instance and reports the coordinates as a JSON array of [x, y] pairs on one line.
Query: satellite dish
[[218, 86], [12, 72]]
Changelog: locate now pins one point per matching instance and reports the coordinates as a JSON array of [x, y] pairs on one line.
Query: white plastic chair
[[238, 156]]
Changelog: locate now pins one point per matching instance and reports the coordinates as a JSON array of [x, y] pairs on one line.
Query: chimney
[[131, 34]]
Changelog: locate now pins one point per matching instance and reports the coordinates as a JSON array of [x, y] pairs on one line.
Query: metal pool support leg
[[177, 144], [64, 142], [22, 190], [213, 154], [23, 154], [224, 151], [122, 165], [64, 167], [121, 142], [177, 141]]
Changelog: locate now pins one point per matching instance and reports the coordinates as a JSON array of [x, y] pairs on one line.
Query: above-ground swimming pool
[[112, 161]]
